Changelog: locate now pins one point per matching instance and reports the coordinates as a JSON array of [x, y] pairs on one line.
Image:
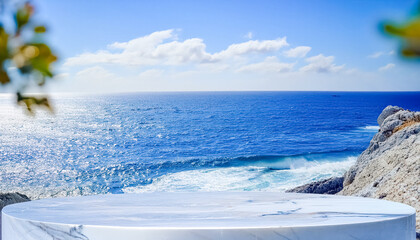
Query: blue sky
[[125, 46]]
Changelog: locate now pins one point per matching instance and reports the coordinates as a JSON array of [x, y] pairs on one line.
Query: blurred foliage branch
[[24, 50], [409, 34]]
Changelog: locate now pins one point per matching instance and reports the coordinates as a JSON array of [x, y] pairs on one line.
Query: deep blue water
[[260, 141]]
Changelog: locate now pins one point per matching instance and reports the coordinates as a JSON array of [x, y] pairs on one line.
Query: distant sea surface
[[204, 141]]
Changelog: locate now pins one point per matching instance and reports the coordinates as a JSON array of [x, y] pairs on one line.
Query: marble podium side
[[211, 215]]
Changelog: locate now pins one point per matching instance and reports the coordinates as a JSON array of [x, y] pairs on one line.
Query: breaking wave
[[266, 174], [251, 173]]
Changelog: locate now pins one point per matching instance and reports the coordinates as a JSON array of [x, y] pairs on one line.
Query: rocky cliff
[[389, 168], [10, 198]]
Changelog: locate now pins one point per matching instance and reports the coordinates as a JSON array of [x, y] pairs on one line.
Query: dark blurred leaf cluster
[[23, 48], [409, 33]]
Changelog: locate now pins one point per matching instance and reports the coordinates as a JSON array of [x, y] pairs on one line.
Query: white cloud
[[269, 65], [380, 54], [217, 67], [321, 63], [148, 50], [252, 46], [149, 41], [386, 67], [160, 48], [133, 52], [151, 73], [61, 76], [297, 52], [91, 58], [95, 72], [249, 35], [163, 62], [352, 71], [191, 50], [96, 79], [376, 55]]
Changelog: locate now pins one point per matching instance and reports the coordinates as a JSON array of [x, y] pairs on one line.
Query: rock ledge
[[389, 168]]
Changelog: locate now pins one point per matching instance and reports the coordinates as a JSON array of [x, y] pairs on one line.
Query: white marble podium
[[210, 216]]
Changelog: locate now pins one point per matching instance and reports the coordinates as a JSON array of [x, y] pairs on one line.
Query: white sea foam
[[247, 178], [370, 128]]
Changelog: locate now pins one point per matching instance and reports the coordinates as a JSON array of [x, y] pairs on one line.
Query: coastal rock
[[390, 167], [10, 198], [397, 125], [387, 112], [327, 186]]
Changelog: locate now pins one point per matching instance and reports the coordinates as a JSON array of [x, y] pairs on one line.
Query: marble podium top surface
[[209, 210]]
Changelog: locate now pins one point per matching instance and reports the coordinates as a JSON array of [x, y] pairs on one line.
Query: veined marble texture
[[209, 216]]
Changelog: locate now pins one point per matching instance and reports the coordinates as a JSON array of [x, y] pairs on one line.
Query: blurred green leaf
[[30, 55], [4, 40], [30, 101], [23, 15], [43, 60], [409, 34], [40, 29], [4, 78]]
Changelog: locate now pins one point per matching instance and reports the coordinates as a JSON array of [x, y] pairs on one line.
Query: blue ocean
[[195, 141]]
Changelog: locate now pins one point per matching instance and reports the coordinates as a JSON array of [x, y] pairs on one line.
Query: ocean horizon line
[[207, 91]]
